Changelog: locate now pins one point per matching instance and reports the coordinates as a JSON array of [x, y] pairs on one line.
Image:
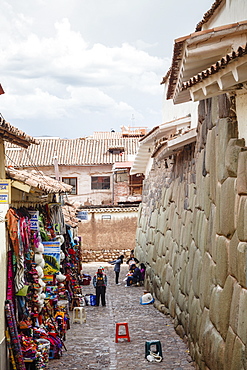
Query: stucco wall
[[192, 234], [232, 11], [109, 230], [85, 195]]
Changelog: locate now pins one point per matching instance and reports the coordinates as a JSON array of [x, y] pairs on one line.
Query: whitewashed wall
[[232, 11]]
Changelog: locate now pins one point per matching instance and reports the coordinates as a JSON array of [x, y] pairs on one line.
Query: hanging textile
[[57, 219], [10, 276], [12, 224], [14, 338]]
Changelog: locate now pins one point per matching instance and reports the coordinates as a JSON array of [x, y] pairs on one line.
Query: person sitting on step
[[134, 275]]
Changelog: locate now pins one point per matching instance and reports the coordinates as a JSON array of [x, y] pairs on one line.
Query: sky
[[73, 67]]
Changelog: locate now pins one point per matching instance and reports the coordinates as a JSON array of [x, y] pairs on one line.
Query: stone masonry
[[192, 235]]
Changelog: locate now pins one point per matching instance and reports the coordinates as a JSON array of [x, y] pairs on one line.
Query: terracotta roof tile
[[37, 179], [179, 49], [241, 51], [14, 135], [208, 14], [72, 152]]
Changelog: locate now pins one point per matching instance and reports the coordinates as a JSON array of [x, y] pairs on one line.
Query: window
[[100, 182], [114, 150], [71, 181], [121, 176]]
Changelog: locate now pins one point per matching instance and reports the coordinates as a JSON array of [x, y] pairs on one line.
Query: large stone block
[[204, 335], [189, 271], [233, 255], [235, 302], [197, 267], [150, 251], [241, 218], [211, 344], [233, 150], [222, 138], [195, 313], [161, 224], [242, 264], [235, 358], [242, 173], [242, 321], [167, 244], [186, 237], [225, 208], [169, 274], [211, 160], [207, 283], [207, 200], [202, 235], [221, 260], [163, 274], [150, 235], [191, 196], [220, 306], [224, 105], [159, 244], [176, 227], [211, 234], [154, 217]]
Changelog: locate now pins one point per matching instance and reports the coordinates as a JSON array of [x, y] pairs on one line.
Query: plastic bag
[[93, 300]]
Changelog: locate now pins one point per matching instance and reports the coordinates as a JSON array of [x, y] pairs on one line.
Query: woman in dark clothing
[[132, 259], [135, 275], [100, 283], [117, 264]]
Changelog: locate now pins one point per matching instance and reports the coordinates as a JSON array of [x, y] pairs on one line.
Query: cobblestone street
[[91, 345]]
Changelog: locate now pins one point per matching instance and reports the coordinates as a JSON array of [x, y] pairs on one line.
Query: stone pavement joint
[[92, 346]]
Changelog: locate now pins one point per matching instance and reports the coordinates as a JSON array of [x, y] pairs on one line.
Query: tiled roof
[[208, 14], [71, 152], [37, 179], [215, 67], [14, 135], [121, 165], [197, 39], [69, 212]]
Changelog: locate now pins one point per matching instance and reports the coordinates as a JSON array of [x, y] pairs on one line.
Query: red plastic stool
[[126, 335]]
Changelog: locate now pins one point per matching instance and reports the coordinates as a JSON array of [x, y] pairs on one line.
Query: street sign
[[5, 191]]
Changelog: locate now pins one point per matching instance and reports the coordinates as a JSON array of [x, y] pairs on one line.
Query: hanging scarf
[[15, 342], [10, 275], [12, 224]]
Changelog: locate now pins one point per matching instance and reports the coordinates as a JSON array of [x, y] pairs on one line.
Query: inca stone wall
[[104, 255], [192, 234]]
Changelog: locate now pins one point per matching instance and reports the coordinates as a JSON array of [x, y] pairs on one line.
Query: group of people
[[135, 275]]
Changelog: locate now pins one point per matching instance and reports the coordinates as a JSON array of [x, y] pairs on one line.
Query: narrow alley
[[91, 345]]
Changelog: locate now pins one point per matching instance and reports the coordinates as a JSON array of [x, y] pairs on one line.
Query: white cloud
[[36, 70], [81, 60]]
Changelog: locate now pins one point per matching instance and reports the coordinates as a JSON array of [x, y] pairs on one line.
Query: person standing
[[117, 267], [100, 283]]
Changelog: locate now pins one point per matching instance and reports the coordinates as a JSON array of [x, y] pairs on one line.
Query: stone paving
[[91, 345]]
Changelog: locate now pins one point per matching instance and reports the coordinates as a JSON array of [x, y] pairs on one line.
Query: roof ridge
[[208, 15]]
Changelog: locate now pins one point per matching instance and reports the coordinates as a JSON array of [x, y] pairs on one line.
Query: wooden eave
[[14, 135]]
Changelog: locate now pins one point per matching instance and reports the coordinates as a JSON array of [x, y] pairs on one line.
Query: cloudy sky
[[72, 67]]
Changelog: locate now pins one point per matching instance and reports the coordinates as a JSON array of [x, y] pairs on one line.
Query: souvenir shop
[[43, 265]]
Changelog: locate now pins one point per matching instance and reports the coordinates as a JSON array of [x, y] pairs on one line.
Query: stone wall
[[103, 255], [192, 235]]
